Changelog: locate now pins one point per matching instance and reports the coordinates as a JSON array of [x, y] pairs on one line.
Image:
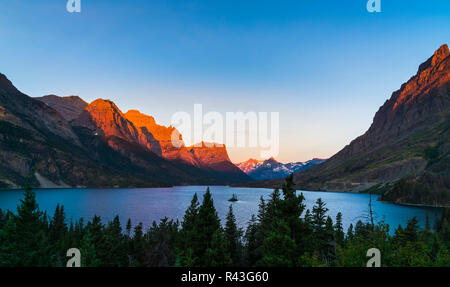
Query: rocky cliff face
[[408, 141], [69, 107], [421, 101], [38, 146], [105, 118], [212, 156], [208, 153], [169, 139], [98, 148], [23, 111], [125, 132], [207, 156]]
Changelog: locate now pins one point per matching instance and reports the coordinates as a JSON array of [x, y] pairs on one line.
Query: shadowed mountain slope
[[405, 153], [99, 148]]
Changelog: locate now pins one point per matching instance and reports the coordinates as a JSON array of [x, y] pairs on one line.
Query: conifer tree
[[308, 217], [258, 229], [23, 240], [189, 248], [411, 231], [363, 230], [95, 228], [216, 255], [278, 247], [128, 228], [350, 234], [89, 257], [78, 233], [137, 247], [233, 237], [251, 245], [114, 245], [329, 249], [3, 218], [207, 224], [291, 208], [339, 230], [319, 216], [320, 232], [58, 227], [162, 241], [261, 209], [191, 214], [57, 235]]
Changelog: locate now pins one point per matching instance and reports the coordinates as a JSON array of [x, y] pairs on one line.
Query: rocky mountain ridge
[[272, 169], [404, 155], [53, 141]]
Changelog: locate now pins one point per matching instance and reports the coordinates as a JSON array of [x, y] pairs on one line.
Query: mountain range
[[404, 155], [56, 141], [271, 168]]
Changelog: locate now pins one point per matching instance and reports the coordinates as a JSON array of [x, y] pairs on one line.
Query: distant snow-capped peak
[[271, 168]]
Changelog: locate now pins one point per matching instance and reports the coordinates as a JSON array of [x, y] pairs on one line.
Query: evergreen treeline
[[282, 234]]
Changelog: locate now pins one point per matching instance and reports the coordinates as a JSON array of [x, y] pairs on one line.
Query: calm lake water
[[151, 204]]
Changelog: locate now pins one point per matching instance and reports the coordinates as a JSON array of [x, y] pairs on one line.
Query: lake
[[151, 204]]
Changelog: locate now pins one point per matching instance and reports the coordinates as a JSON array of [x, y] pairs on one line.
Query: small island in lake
[[233, 198]]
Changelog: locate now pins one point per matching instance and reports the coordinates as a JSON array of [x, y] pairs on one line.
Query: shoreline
[[356, 192], [231, 186], [423, 205]]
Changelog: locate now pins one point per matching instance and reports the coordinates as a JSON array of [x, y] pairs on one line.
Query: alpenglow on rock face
[[207, 156], [169, 139], [56, 141], [105, 118]]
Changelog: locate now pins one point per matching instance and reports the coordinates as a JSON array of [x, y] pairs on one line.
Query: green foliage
[[233, 237], [339, 230], [162, 240], [114, 245], [24, 239], [377, 189], [216, 255], [431, 153], [3, 218], [89, 256], [429, 188], [187, 257], [281, 234], [137, 247], [278, 247], [207, 224]]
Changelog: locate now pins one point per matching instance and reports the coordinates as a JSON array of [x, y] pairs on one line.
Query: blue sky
[[326, 66]]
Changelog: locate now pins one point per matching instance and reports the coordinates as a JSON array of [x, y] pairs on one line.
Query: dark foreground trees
[[283, 233]]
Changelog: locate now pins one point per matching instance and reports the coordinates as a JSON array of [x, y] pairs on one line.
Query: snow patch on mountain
[[271, 168]]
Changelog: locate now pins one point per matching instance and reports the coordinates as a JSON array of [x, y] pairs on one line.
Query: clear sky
[[325, 66]]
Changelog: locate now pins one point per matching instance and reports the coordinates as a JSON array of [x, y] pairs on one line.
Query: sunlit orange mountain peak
[[169, 138], [72, 143], [430, 75], [213, 156], [107, 119]]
